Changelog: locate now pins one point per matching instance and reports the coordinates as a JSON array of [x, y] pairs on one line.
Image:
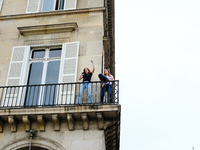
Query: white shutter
[[68, 72], [1, 3], [17, 75], [70, 4], [33, 6]]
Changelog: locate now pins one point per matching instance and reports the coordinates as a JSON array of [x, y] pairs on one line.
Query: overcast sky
[[158, 65]]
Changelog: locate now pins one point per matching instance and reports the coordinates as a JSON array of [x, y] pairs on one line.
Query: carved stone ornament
[[70, 120], [13, 124], [85, 121], [27, 123], [56, 122], [100, 121], [41, 122]]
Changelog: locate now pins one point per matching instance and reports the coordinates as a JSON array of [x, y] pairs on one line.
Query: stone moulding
[[50, 28], [111, 136], [51, 13], [36, 141]]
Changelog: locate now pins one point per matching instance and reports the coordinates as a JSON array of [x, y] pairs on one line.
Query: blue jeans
[[85, 85], [108, 88]]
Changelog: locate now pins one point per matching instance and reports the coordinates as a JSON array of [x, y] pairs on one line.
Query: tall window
[[44, 69], [41, 69]]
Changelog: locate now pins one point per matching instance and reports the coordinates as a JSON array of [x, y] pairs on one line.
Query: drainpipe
[[32, 134]]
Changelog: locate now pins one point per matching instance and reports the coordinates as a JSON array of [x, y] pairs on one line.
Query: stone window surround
[[50, 28]]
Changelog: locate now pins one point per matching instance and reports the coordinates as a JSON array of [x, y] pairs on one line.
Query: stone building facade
[[44, 46]]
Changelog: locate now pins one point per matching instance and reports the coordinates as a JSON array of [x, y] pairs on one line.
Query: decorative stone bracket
[[13, 123], [41, 122], [85, 121], [27, 123], [56, 122], [1, 125], [78, 117], [100, 121], [70, 120]]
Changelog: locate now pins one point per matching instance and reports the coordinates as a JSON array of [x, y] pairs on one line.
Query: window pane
[[35, 74], [48, 5], [55, 52], [38, 54], [52, 72], [59, 4], [35, 77], [50, 91]]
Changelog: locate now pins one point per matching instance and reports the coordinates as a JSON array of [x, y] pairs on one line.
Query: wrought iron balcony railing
[[62, 94]]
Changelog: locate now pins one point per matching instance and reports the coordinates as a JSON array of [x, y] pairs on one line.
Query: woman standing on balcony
[[86, 75], [107, 86]]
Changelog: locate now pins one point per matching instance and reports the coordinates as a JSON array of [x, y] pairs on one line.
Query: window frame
[[42, 3], [22, 54], [1, 4], [44, 60], [35, 6]]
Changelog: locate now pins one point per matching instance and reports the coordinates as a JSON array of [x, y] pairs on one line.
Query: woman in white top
[[107, 86]]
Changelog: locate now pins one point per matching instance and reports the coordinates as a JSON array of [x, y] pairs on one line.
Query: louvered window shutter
[[68, 72], [1, 3], [17, 75], [33, 6], [70, 4]]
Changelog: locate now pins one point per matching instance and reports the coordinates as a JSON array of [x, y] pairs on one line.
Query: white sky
[[158, 65]]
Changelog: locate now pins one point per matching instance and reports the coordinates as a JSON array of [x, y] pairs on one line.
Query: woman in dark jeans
[[107, 86]]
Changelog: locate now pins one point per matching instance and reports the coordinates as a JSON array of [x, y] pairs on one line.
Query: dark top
[[87, 77]]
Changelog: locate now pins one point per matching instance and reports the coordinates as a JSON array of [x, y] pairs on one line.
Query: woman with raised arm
[[107, 86], [86, 76]]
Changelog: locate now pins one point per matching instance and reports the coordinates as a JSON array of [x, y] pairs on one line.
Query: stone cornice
[[50, 28], [51, 13], [59, 110]]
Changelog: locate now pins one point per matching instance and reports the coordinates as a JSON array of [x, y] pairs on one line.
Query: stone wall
[[89, 33], [12, 7], [63, 140]]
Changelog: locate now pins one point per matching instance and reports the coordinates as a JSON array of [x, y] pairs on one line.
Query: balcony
[[52, 95]]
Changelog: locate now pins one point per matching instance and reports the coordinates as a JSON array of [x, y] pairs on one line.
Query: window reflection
[[35, 77], [38, 54], [50, 91], [48, 5], [55, 52]]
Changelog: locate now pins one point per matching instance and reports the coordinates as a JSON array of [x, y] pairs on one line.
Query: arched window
[[32, 148]]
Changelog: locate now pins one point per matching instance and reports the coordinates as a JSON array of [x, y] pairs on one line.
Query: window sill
[[50, 28]]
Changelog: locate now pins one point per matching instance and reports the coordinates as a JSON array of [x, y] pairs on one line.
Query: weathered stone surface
[[27, 123], [87, 145]]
